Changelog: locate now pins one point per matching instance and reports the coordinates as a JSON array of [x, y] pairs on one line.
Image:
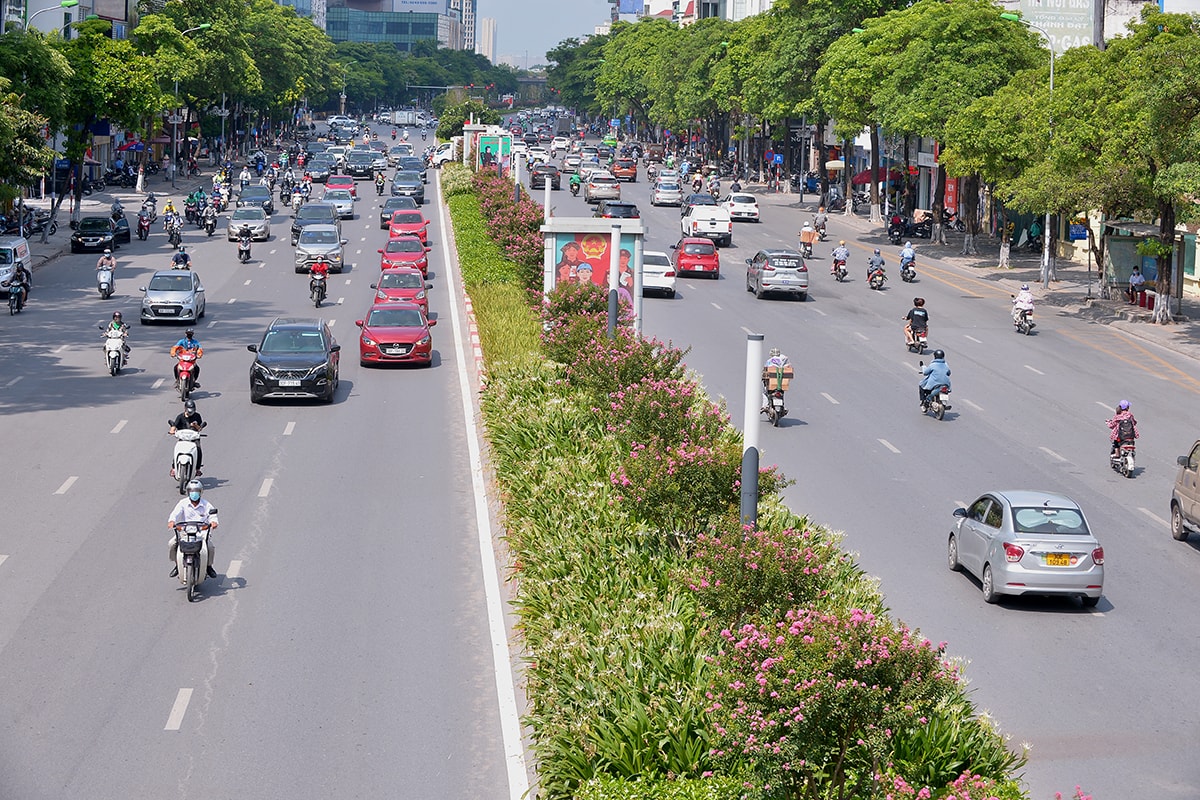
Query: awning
[[1131, 228], [867, 176], [137, 147], [835, 165]]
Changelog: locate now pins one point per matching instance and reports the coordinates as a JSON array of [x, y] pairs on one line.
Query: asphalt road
[[1105, 696], [344, 650]]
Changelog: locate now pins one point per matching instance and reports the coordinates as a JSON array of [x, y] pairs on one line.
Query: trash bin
[[1149, 298]]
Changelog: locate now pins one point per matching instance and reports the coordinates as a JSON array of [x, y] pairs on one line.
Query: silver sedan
[[342, 200], [253, 216], [1027, 542]]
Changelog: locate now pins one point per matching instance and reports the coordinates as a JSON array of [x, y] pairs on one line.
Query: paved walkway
[[1075, 291]]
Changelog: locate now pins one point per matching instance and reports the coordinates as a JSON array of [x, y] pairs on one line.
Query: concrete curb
[[473, 332]]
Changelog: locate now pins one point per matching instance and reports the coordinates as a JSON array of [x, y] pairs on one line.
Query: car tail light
[[669, 274], [1013, 552], [768, 268], [1098, 555], [802, 268]]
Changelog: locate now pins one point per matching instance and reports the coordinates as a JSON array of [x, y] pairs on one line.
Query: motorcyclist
[[210, 215], [318, 268], [188, 343], [169, 213], [821, 220], [107, 261], [807, 234], [1022, 303], [189, 418], [380, 182], [181, 259], [840, 253], [20, 282], [575, 182], [776, 361], [874, 262], [393, 133], [917, 320], [1122, 427], [907, 254], [193, 508], [244, 177], [149, 205], [935, 374]]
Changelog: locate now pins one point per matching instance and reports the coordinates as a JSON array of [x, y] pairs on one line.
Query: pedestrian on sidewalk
[[167, 165], [1137, 284]]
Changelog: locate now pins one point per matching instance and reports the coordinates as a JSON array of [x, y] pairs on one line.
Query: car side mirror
[[431, 322], [960, 512], [253, 348], [1182, 461], [141, 288], [380, 250], [427, 249], [358, 322], [749, 262], [428, 284], [335, 348], [347, 241], [374, 286]]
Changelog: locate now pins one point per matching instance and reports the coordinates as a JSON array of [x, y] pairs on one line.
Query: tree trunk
[[969, 191], [823, 154], [938, 234], [846, 145], [1005, 240], [876, 214], [1166, 263]]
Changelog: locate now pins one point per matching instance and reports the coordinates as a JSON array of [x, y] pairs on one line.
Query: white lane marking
[[341, 300], [332, 322], [913, 367], [506, 700], [747, 331], [61, 347], [265, 489], [972, 338], [119, 426], [975, 406], [889, 445], [347, 281], [1051, 453], [235, 569], [363, 239], [287, 429], [714, 305], [66, 485], [819, 311], [158, 383], [1031, 369], [830, 399], [209, 325], [358, 252], [14, 381], [247, 283], [1103, 405], [272, 253], [175, 719], [861, 336], [231, 301], [3, 559], [1154, 517]]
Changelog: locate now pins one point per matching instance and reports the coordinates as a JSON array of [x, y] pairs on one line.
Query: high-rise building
[[485, 38], [469, 9]]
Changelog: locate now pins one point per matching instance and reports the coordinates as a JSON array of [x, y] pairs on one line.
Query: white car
[[741, 206], [342, 200], [519, 148], [570, 163], [658, 273], [539, 152], [586, 168], [666, 193], [559, 143]]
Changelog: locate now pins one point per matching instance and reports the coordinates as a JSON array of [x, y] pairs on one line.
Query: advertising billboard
[[494, 151], [1068, 23]]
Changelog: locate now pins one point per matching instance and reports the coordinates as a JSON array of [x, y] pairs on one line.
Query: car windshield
[[396, 203], [401, 280], [1049, 520], [249, 213], [406, 245], [699, 249], [414, 164], [360, 157], [742, 198], [655, 260], [93, 224], [340, 180], [338, 194], [309, 236], [406, 177], [668, 187], [170, 283], [702, 200], [256, 191], [406, 218], [395, 318], [314, 212], [292, 341]]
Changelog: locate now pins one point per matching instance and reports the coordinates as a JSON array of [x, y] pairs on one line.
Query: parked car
[[405, 251], [320, 243], [295, 358], [395, 203], [777, 270], [741, 206], [173, 295], [601, 186], [1027, 542], [255, 218], [617, 209], [697, 254], [658, 273], [94, 233], [665, 194], [1185, 497], [395, 333], [403, 285]]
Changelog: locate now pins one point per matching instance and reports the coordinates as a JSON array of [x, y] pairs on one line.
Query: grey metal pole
[[638, 282], [614, 264], [546, 202], [754, 360]]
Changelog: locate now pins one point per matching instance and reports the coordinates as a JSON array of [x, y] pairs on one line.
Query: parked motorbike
[[114, 350], [316, 289], [92, 185], [186, 455], [920, 339], [952, 220], [908, 272], [192, 558], [937, 400], [877, 277], [1122, 459], [922, 229], [244, 244], [186, 381], [105, 283]]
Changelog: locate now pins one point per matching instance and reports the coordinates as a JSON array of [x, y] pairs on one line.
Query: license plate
[[169, 312], [786, 282], [396, 351], [1058, 560], [289, 383]]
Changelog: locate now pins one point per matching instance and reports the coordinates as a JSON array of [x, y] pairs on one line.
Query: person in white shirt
[[193, 508], [1137, 283]]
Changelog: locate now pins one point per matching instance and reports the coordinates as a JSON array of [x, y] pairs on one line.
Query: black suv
[[359, 163], [545, 172], [314, 213], [617, 209], [297, 357], [257, 196]]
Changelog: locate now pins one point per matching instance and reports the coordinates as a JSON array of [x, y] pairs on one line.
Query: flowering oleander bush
[[603, 366], [514, 224], [456, 179], [574, 314]]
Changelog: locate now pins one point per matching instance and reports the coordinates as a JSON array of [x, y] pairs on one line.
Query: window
[[1048, 520], [995, 516], [1194, 458], [978, 510]]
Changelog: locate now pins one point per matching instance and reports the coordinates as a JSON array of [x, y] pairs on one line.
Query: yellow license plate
[[1058, 560]]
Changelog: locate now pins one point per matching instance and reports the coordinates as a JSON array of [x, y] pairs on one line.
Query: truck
[[709, 222], [404, 117]]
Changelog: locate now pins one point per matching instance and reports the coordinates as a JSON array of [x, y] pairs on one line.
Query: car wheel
[[952, 554], [1178, 529], [989, 586], [670, 294], [758, 292], [803, 296], [1089, 602]]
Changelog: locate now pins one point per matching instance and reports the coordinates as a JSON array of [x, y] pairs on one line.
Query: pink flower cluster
[[514, 224]]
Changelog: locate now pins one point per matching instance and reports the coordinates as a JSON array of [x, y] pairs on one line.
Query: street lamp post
[[61, 5], [1046, 223], [223, 113], [175, 119]]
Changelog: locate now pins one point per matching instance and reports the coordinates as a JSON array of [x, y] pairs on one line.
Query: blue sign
[[614, 123], [779, 158], [1077, 232]]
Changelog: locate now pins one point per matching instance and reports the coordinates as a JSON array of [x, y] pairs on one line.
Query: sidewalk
[[1069, 294]]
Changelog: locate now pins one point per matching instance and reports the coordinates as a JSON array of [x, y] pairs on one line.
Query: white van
[[14, 250], [446, 151]]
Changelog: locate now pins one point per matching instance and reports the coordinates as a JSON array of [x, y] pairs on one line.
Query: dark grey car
[[409, 184], [414, 164], [257, 196], [295, 358], [395, 204]]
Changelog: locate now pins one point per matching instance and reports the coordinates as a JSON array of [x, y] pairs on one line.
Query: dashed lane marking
[[975, 406], [234, 571], [1104, 405], [332, 322], [265, 489], [819, 311], [341, 300], [119, 426], [247, 283], [231, 301], [14, 381], [347, 281], [1034, 369], [714, 305], [1051, 453], [287, 429], [862, 336], [889, 445], [1154, 517], [209, 325], [272, 253], [158, 383], [830, 398], [66, 485], [178, 709], [972, 338]]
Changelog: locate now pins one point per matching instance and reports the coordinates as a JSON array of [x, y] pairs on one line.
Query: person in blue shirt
[[936, 373], [181, 259], [189, 342]]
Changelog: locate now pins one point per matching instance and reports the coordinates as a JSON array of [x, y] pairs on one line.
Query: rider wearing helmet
[[188, 342], [840, 253], [181, 258], [1023, 302], [874, 262], [776, 362], [190, 418], [1122, 427], [118, 324], [934, 374], [193, 508], [107, 261]]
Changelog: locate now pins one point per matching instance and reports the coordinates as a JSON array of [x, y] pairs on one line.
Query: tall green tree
[[574, 66], [24, 156]]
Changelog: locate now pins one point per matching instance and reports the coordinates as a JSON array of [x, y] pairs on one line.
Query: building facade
[[485, 38]]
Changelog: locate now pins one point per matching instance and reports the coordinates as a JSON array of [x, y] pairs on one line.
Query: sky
[[535, 26]]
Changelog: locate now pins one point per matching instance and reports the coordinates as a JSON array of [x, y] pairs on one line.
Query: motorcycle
[[191, 211], [297, 201], [105, 283], [952, 221], [839, 269], [186, 455], [186, 381], [877, 277], [922, 229], [92, 185], [143, 226], [316, 289], [379, 186], [244, 244], [192, 558], [16, 298], [285, 196], [775, 383], [175, 235], [919, 339], [210, 223], [908, 273], [937, 400], [150, 209], [574, 190], [114, 350], [895, 232], [820, 230], [1023, 320], [1122, 459]]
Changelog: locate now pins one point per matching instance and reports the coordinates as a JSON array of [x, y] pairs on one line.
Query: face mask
[[194, 496]]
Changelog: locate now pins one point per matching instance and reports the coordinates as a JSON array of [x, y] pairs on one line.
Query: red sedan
[[342, 182], [409, 223], [395, 333], [403, 285], [694, 254], [405, 251]]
